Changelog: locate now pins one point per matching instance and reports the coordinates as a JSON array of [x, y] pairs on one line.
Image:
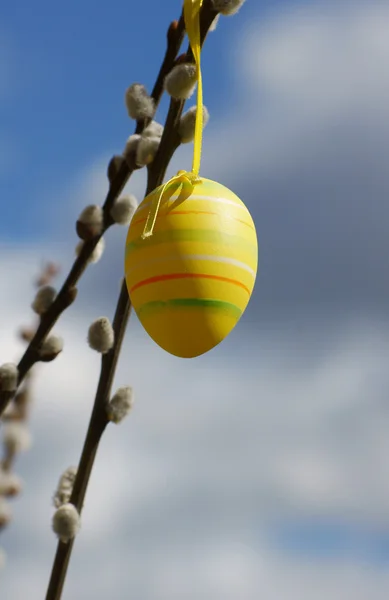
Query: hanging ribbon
[[192, 27]]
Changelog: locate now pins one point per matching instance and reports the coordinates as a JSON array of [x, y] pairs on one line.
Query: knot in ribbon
[[187, 178]]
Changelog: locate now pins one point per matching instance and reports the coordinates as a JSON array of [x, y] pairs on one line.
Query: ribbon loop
[[184, 177], [192, 26]]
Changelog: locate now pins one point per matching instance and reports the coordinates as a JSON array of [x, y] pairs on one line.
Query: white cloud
[[210, 452], [322, 59], [304, 69]]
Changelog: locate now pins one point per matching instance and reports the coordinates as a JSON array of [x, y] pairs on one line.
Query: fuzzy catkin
[[65, 487], [51, 347], [131, 144], [146, 150], [101, 336], [180, 83], [10, 484], [92, 221], [138, 102], [66, 522], [97, 252], [153, 129], [44, 298], [16, 437], [123, 209], [120, 404], [8, 377], [187, 124]]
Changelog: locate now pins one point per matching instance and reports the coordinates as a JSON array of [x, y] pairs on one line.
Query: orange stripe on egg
[[170, 276]]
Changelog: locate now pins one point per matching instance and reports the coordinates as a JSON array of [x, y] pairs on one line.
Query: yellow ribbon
[[192, 26]]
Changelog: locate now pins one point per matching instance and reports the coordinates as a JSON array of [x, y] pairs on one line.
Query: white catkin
[[138, 102], [97, 252], [180, 83], [131, 144], [16, 437], [187, 123], [93, 217], [65, 487], [123, 209], [227, 7], [44, 298], [10, 484], [8, 377], [120, 404], [66, 522], [146, 150], [101, 336], [153, 129], [52, 346]]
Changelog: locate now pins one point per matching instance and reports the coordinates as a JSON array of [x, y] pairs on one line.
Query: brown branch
[[97, 425], [68, 292], [175, 37]]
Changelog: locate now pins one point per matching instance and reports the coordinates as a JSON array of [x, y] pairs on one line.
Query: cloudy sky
[[259, 470]]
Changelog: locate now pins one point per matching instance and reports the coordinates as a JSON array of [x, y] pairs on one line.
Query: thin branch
[[67, 293], [97, 425], [175, 37]]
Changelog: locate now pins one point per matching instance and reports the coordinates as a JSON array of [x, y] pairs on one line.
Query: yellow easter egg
[[191, 280]]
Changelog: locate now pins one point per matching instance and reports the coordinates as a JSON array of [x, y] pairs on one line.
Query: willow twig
[[97, 425]]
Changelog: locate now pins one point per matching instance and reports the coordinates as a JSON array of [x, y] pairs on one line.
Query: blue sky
[[276, 460], [64, 102]]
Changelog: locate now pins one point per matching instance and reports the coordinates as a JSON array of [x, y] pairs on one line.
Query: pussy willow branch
[[98, 420], [170, 138], [68, 292], [97, 425]]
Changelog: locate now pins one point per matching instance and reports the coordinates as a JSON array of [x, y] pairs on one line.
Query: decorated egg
[[191, 280]]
